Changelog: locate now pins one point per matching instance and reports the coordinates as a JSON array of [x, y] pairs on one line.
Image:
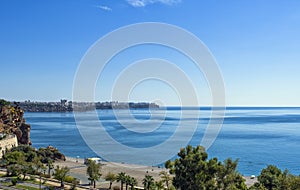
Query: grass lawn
[[26, 187]]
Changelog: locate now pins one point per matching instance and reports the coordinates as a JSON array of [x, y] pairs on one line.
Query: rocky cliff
[[12, 122]]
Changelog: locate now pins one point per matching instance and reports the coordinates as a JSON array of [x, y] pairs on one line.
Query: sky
[[255, 43]]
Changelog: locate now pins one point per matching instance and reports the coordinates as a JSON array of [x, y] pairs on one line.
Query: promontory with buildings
[[68, 106]]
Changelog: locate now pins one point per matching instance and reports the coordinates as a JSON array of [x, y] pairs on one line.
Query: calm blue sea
[[257, 136]]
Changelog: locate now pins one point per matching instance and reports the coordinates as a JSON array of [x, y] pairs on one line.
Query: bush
[[74, 184], [69, 179], [4, 102], [14, 181]]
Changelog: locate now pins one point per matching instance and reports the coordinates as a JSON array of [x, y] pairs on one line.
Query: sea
[[256, 136]]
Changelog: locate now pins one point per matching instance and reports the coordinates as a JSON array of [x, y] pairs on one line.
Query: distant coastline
[[69, 106]]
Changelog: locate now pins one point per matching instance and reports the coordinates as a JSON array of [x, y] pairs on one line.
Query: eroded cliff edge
[[13, 122]]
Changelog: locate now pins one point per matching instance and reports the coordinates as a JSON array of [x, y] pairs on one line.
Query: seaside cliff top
[[13, 122]]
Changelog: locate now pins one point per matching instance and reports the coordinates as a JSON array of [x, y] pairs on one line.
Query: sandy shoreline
[[78, 170]]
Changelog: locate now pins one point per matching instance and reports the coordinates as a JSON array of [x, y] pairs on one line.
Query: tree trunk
[[121, 185], [62, 183], [94, 184], [49, 170], [110, 184], [126, 186]]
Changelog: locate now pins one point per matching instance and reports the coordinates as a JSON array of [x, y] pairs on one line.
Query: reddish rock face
[[12, 121]]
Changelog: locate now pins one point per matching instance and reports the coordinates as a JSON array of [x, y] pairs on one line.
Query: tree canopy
[[272, 178], [93, 171], [193, 170], [60, 174]]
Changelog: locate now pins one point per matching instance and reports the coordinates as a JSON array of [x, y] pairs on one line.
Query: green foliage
[[111, 178], [22, 160], [13, 170], [148, 182], [4, 102], [25, 160], [14, 181], [93, 171], [121, 178], [165, 178], [133, 182], [11, 158], [16, 164], [272, 178], [75, 182], [293, 182], [49, 153], [60, 174], [257, 186], [193, 171], [69, 179], [129, 181], [26, 187], [159, 185]]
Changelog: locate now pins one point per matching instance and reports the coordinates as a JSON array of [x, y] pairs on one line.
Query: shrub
[[4, 102], [14, 181], [69, 179]]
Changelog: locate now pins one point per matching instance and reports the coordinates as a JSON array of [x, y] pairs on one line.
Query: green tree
[[127, 181], [74, 184], [121, 178], [270, 177], [93, 171], [13, 157], [148, 182], [133, 182], [111, 178], [4, 102], [166, 178], [193, 171], [26, 168], [13, 170], [60, 174], [50, 166], [159, 185], [294, 182], [16, 164], [38, 165], [257, 186], [188, 168], [228, 177]]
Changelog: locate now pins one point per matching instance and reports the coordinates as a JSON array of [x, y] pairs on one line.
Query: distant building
[[63, 102], [7, 142]]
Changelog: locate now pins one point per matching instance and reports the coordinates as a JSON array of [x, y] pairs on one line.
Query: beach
[[78, 170]]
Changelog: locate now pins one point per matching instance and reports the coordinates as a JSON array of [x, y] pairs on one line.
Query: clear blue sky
[[256, 44]]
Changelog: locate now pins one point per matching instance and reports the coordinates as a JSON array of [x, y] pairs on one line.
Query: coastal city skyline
[[255, 44]]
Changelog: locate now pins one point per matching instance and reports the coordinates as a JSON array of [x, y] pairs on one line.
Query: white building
[[7, 142]]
